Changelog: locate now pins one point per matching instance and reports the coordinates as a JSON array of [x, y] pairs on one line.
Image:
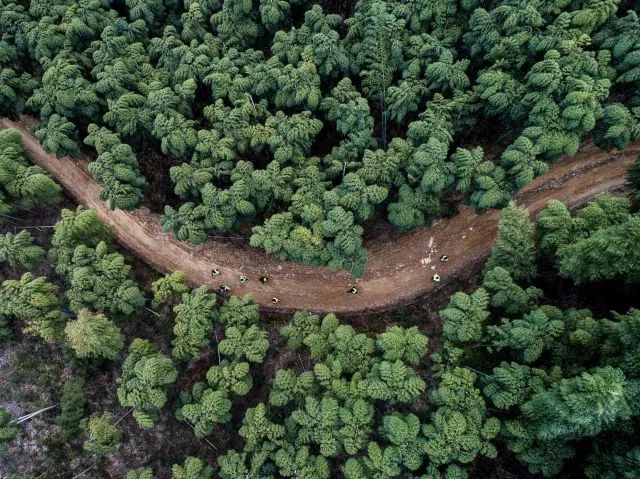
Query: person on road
[[225, 288], [436, 277], [264, 279], [215, 272], [444, 258], [353, 290], [243, 278], [275, 300]]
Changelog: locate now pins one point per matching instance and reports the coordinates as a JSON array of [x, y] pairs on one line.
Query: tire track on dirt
[[400, 266]]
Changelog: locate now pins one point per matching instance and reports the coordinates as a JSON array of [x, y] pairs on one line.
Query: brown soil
[[399, 271]]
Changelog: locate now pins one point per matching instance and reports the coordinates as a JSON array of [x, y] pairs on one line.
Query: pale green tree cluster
[[244, 344], [20, 181], [563, 383], [142, 386]]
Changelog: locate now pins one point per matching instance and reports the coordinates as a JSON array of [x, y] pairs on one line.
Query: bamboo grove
[[305, 120]]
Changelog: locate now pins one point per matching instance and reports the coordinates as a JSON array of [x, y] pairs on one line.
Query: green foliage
[[247, 343], [460, 428], [36, 302], [29, 185], [406, 345], [140, 473], [146, 375], [72, 405], [116, 169], [193, 468], [103, 437], [8, 431], [93, 336], [464, 316], [19, 249], [194, 321], [515, 248], [169, 288], [99, 279], [206, 406]]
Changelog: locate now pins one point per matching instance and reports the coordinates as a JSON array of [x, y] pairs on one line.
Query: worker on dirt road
[[444, 258], [436, 277], [215, 272], [275, 300], [264, 279], [243, 278], [353, 290], [225, 288]]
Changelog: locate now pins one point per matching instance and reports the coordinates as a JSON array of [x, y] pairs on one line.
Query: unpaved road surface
[[400, 266]]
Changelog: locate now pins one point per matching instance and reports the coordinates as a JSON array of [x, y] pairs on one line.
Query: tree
[[460, 428], [8, 430], [194, 322], [204, 407], [239, 312], [193, 468], [30, 185], [72, 405], [169, 288], [231, 377], [140, 473], [103, 437], [571, 409], [146, 374], [515, 247], [247, 343], [506, 295], [529, 336], [406, 345], [19, 249], [606, 254], [403, 432], [58, 136], [36, 302], [99, 279], [116, 168], [465, 316], [93, 336]]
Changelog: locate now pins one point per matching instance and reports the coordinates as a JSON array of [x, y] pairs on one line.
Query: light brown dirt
[[399, 270]]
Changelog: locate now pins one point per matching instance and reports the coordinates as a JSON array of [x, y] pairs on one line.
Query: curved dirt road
[[399, 269]]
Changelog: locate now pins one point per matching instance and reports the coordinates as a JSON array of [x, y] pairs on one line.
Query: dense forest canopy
[[308, 120]]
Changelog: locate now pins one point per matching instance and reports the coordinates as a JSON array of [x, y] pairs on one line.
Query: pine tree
[[194, 318], [8, 430], [93, 336], [169, 288], [460, 428], [140, 473], [406, 345], [30, 185], [248, 343], [99, 279], [240, 312], [465, 316], [515, 247], [36, 302], [506, 295], [72, 405], [204, 407], [146, 374], [19, 249], [193, 468], [103, 437]]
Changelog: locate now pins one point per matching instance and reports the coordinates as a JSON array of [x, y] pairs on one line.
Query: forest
[[304, 128], [300, 124]]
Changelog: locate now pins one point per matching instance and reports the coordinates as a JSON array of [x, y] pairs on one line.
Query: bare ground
[[399, 270]]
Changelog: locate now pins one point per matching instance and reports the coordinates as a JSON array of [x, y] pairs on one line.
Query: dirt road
[[400, 266]]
